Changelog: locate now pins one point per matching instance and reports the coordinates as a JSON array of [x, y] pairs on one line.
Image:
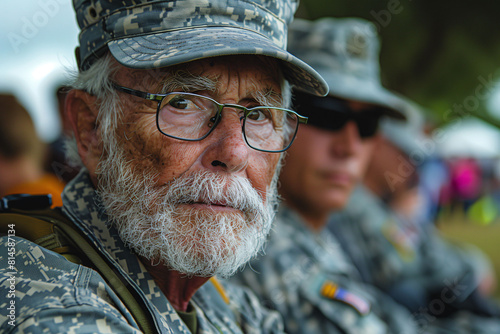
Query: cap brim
[[181, 46], [353, 88]]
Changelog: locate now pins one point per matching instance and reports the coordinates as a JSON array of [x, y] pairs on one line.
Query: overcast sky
[[36, 49]]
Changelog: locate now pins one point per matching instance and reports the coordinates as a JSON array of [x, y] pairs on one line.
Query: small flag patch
[[332, 291]]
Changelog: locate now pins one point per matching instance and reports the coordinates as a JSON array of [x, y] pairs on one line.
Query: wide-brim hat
[[346, 54], [153, 34], [408, 136], [357, 89]]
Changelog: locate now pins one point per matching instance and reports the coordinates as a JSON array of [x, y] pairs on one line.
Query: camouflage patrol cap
[[146, 34], [346, 54]]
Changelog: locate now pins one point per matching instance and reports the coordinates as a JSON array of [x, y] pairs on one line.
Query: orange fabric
[[47, 184]]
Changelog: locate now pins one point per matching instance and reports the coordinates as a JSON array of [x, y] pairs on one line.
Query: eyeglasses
[[192, 117], [332, 114]]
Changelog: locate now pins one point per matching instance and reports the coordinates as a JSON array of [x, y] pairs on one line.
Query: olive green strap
[[56, 234]]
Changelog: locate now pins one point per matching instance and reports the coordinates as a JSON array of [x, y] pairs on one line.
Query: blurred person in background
[[23, 154], [465, 182], [57, 161], [304, 273], [433, 174], [381, 231]]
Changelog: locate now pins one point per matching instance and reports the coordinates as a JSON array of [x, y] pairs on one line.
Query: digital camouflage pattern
[[345, 51], [307, 278], [150, 34], [413, 264], [54, 295]]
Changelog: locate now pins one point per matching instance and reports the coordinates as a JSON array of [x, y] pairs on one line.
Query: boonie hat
[[408, 136], [346, 53], [146, 34]]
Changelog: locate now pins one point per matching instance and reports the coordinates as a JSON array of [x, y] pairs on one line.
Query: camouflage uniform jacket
[[413, 264], [53, 295], [305, 276], [396, 250]]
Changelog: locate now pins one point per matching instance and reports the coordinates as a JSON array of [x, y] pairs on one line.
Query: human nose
[[227, 150], [346, 139]]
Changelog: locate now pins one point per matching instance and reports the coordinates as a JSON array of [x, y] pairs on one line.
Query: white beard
[[156, 222]]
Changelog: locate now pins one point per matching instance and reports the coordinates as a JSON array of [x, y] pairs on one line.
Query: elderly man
[[179, 118], [304, 273]]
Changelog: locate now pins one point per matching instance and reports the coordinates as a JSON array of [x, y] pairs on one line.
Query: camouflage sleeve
[[300, 294], [448, 259], [76, 319], [48, 294], [254, 317]]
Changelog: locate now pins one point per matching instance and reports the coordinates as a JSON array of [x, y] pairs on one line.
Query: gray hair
[[97, 82]]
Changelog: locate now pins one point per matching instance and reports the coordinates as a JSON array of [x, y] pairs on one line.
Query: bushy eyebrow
[[184, 81], [268, 97]]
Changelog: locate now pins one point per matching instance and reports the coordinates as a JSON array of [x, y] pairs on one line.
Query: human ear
[[81, 112]]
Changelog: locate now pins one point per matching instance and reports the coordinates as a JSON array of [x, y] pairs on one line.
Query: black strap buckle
[[25, 202]]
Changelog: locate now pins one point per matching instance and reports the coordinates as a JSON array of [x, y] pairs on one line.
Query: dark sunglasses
[[332, 114]]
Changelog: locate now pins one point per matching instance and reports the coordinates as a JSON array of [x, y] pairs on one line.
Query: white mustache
[[213, 189]]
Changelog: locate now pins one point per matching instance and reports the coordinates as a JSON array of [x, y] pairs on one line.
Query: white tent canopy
[[468, 137]]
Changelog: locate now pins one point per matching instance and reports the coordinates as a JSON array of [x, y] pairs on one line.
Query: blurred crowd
[[28, 165]]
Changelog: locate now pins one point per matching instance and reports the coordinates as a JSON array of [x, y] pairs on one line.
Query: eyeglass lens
[[192, 117]]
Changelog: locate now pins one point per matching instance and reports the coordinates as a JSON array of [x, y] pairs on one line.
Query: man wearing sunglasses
[[180, 117], [304, 273], [404, 256]]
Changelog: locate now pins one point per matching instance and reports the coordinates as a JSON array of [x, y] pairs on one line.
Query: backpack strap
[[51, 229]]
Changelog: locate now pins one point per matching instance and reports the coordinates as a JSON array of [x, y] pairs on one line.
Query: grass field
[[486, 237]]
